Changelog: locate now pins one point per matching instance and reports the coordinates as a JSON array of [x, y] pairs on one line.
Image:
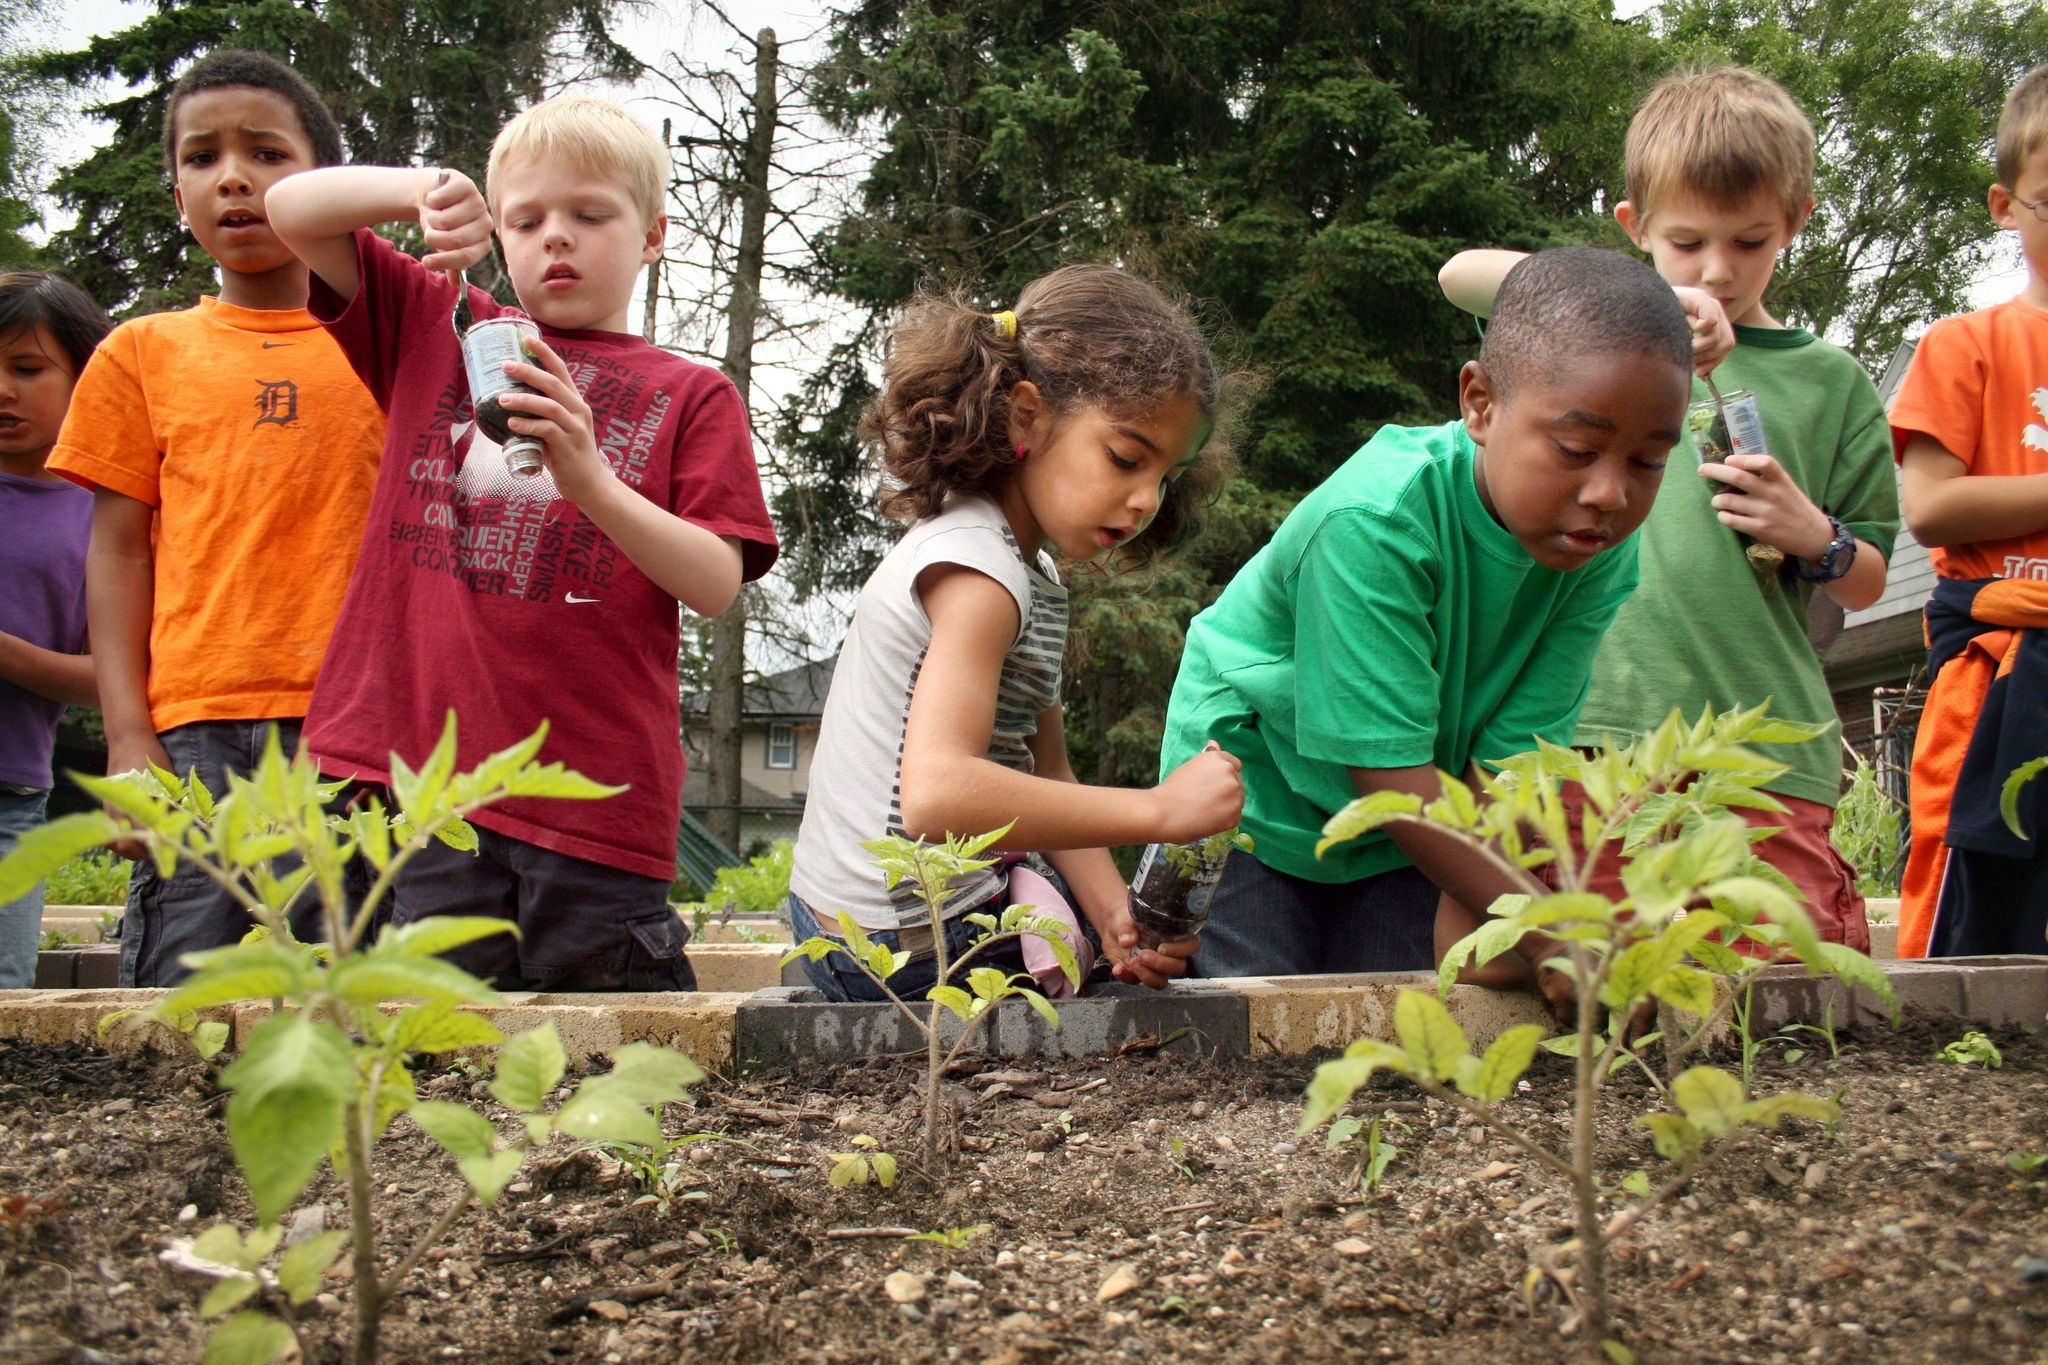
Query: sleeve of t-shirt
[[1553, 681], [1365, 679], [107, 440], [1943, 393], [372, 328], [714, 482], [979, 549], [1863, 484]]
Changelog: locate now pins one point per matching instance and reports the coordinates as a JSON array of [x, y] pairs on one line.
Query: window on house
[[781, 746]]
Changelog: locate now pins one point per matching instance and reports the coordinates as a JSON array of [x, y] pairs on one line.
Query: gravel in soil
[[1145, 1206]]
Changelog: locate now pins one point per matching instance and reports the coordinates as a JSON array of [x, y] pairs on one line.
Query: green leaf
[[1677, 1139], [442, 1028], [1043, 1006], [608, 1115], [301, 1267], [644, 1074], [247, 1339], [208, 1037], [1767, 1112], [290, 1085], [365, 979], [529, 1065], [1504, 1063], [458, 834], [2008, 797], [1686, 988], [227, 1295], [44, 849], [953, 998], [223, 1245], [885, 1169], [1617, 1352], [1432, 1039], [1335, 1082], [458, 1128], [488, 1175], [1710, 1097], [438, 934], [1365, 815], [1637, 1183], [1845, 963]]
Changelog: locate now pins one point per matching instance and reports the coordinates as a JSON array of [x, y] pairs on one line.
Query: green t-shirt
[[1391, 622], [1700, 631]]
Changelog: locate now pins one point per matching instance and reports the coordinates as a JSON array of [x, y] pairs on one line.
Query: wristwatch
[[1836, 559]]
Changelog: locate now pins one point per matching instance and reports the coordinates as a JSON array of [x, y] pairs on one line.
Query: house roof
[[794, 694]]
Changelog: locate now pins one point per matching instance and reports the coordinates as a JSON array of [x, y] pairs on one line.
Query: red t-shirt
[[499, 599]]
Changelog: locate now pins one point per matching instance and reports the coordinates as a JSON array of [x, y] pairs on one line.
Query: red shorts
[[1801, 850]]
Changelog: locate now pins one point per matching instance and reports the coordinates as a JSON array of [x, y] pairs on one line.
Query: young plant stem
[[369, 1300], [1585, 1189], [423, 1245], [935, 1063]]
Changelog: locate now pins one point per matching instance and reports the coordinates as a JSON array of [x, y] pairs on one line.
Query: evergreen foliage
[[411, 83]]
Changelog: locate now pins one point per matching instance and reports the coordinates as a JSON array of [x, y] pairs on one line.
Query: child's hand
[[1767, 506], [1713, 337], [132, 754], [1154, 967], [1200, 797], [559, 417], [455, 221]]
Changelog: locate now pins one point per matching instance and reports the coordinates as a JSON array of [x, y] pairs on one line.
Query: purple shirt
[[44, 527]]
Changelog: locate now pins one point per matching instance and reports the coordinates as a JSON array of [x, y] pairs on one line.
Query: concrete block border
[[1239, 1017]]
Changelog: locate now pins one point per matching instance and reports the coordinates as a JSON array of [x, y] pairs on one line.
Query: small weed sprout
[[866, 1162], [931, 869], [1665, 802], [324, 1075], [1185, 1166], [951, 1239], [1373, 1153], [1974, 1049]]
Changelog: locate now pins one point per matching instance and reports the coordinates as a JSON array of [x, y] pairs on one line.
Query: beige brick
[[1884, 941], [744, 967], [74, 1017], [1296, 1014]]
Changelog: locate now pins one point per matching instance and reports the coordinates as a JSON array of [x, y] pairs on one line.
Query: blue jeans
[[189, 912], [21, 919], [1263, 922], [838, 979]]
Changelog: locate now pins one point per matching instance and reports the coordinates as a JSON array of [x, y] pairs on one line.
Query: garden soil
[[1148, 1207]]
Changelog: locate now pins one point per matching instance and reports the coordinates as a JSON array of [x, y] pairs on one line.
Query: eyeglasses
[[2039, 210]]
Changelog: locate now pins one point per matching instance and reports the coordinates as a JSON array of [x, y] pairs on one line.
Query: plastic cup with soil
[[1170, 895]]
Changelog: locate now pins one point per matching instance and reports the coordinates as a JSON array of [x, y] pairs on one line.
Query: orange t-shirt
[[1979, 385], [249, 433]]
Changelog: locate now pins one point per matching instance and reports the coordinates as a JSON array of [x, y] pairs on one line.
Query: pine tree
[[409, 83]]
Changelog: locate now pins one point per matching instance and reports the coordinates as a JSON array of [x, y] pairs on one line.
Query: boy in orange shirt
[[231, 451], [1970, 428]]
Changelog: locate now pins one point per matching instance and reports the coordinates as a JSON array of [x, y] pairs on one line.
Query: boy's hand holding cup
[[1713, 336]]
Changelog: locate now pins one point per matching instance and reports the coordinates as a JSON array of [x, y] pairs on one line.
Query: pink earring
[[1021, 452]]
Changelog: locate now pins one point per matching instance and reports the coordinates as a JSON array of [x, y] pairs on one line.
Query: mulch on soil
[[1902, 1235]]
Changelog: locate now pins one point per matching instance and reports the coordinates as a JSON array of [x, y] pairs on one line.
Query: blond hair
[[586, 132], [1722, 134], [2023, 126]]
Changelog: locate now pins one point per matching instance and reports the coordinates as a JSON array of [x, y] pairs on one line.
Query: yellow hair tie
[[1006, 324]]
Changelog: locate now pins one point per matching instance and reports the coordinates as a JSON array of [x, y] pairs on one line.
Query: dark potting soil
[[1901, 1236]]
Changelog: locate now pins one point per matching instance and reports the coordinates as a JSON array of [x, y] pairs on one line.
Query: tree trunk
[[742, 316]]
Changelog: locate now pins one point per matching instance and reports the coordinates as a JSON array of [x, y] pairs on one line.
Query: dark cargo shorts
[[582, 926]]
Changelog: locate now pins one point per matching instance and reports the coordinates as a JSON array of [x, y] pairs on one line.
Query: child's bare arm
[[120, 601], [48, 673], [1098, 887], [1471, 280], [696, 567], [950, 786], [1945, 504], [315, 212]]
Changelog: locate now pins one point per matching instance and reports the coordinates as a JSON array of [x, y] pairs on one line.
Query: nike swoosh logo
[[273, 345], [572, 597]]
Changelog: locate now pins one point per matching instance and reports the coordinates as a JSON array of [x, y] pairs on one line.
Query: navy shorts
[[583, 926]]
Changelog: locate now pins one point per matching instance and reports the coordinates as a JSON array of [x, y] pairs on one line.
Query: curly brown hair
[[1089, 335]]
